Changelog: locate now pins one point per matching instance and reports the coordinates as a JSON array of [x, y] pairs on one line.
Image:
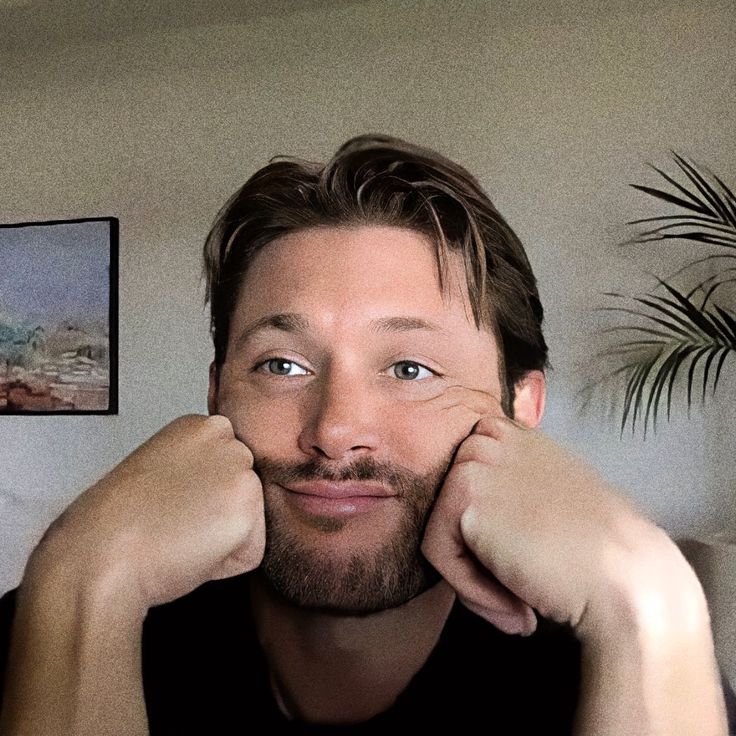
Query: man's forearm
[[74, 664], [652, 669]]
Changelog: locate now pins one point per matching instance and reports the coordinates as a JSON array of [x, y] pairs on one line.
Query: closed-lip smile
[[341, 489], [341, 499]]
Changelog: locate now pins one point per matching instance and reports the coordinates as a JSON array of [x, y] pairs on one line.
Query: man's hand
[[548, 529], [184, 508], [521, 524]]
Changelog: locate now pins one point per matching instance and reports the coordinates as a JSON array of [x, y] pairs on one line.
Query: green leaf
[[676, 184], [730, 323], [718, 285], [695, 236], [706, 350], [631, 388], [659, 380], [709, 194], [701, 319], [672, 199], [718, 369], [689, 222], [717, 256], [730, 198]]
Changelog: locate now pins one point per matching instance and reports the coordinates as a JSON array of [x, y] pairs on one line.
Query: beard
[[364, 581]]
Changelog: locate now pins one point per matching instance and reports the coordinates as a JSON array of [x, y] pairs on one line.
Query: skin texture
[[514, 522]]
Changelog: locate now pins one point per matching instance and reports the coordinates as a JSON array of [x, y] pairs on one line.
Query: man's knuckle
[[475, 447], [429, 549], [218, 422], [189, 419], [254, 484], [247, 453]]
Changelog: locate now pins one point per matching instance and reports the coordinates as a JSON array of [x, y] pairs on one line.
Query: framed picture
[[59, 317]]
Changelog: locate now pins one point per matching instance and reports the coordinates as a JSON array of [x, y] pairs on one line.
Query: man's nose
[[343, 418]]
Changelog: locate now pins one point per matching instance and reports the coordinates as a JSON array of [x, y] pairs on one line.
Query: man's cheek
[[462, 400], [447, 419], [265, 427]]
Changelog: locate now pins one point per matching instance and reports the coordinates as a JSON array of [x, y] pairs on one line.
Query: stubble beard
[[366, 581]]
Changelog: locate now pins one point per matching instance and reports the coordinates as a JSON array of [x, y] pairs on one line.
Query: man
[[367, 531]]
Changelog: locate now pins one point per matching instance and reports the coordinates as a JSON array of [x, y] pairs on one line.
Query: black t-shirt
[[204, 673]]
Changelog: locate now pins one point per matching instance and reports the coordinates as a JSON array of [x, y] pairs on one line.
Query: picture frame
[[59, 317]]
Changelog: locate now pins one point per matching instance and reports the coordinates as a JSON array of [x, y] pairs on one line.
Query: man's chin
[[354, 587], [350, 559]]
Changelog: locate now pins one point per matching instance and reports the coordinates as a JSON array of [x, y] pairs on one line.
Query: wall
[[156, 119]]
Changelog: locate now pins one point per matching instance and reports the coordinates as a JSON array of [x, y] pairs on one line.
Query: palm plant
[[676, 331]]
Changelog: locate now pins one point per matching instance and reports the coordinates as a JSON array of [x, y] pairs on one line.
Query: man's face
[[358, 392]]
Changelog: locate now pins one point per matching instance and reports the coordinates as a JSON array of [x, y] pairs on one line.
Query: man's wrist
[[645, 586], [57, 574], [649, 664], [75, 650]]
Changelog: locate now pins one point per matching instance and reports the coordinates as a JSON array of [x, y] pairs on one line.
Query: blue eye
[[283, 367], [412, 370]]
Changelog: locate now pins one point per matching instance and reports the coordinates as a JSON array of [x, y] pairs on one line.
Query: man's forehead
[[376, 268], [367, 281]]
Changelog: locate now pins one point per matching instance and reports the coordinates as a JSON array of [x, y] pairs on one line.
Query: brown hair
[[382, 180]]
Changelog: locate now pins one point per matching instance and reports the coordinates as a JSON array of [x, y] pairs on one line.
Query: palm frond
[[709, 208], [717, 200], [717, 285], [687, 335], [697, 236], [699, 261], [671, 336]]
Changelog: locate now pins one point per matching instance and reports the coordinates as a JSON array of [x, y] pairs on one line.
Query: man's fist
[[521, 524], [185, 507]]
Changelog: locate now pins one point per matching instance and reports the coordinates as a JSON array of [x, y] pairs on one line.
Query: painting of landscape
[[58, 317]]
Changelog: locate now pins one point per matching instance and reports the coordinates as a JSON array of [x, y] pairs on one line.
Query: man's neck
[[327, 668]]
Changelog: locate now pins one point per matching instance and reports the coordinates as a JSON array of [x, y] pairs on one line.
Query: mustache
[[364, 468]]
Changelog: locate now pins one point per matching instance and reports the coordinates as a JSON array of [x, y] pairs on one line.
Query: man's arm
[[184, 508], [649, 664], [74, 663], [558, 540]]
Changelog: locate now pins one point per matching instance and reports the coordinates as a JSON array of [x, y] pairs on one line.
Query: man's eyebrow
[[387, 325], [285, 321], [299, 323]]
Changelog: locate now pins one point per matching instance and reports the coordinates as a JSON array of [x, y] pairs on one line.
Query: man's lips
[[344, 489], [337, 499]]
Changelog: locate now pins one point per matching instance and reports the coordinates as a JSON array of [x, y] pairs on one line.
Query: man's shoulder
[[7, 613], [191, 647]]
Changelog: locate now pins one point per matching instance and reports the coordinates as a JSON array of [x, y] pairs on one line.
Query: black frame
[[113, 389]]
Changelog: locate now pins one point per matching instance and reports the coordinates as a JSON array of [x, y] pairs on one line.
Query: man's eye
[[409, 370], [281, 367]]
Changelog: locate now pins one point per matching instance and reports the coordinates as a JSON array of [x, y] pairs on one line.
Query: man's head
[[365, 314]]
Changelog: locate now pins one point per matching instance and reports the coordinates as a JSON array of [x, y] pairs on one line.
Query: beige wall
[[155, 119]]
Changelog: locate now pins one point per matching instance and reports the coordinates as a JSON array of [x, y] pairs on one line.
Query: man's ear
[[529, 397], [213, 389]]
